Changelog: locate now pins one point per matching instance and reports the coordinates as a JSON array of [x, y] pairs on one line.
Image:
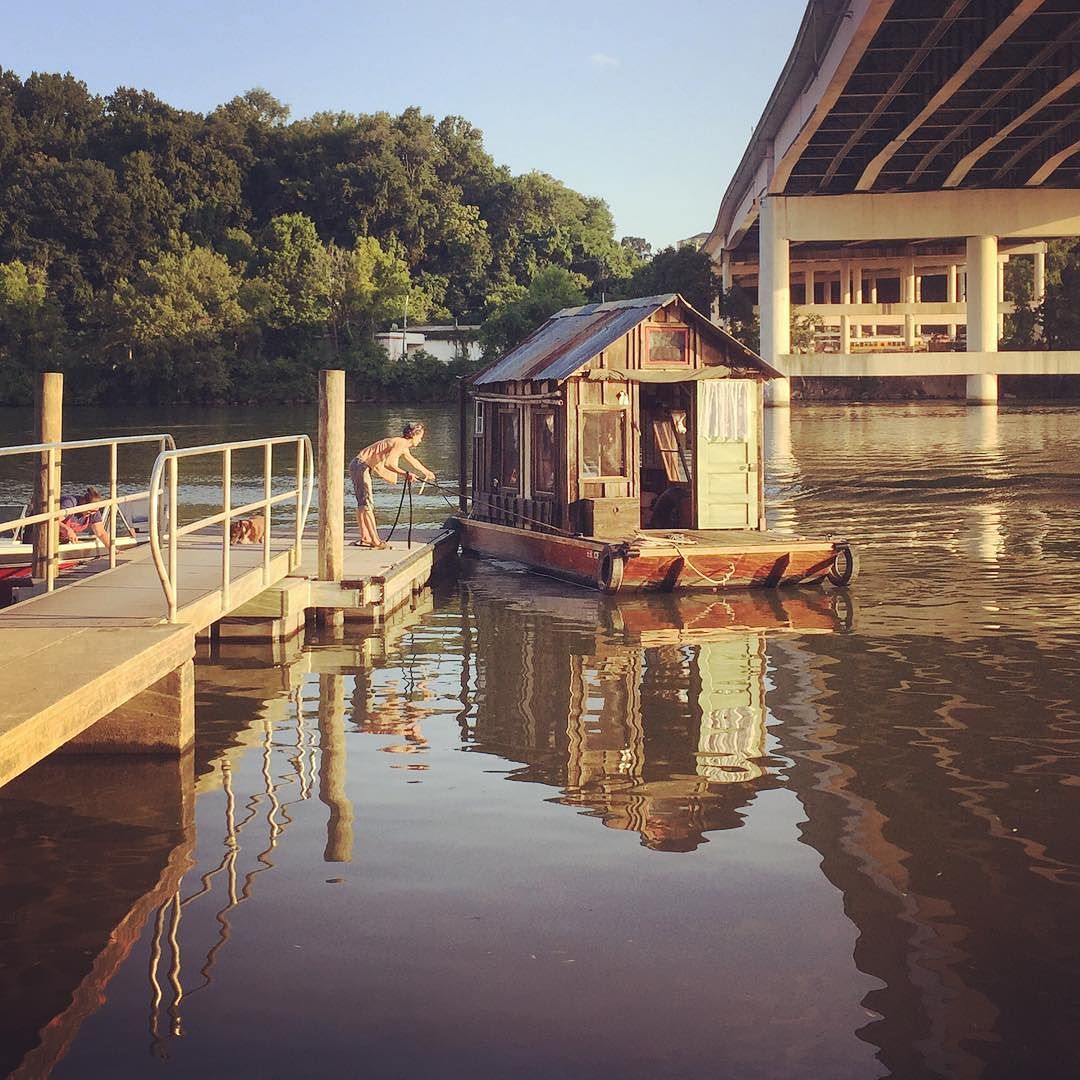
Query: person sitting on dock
[[381, 458], [75, 524]]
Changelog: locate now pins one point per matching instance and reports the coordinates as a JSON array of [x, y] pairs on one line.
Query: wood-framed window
[[603, 443], [506, 450], [544, 474], [478, 418], [667, 346]]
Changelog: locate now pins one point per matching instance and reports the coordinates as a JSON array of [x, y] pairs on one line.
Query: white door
[[727, 454]]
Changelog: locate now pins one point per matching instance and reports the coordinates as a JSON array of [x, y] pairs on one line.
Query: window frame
[[536, 415], [624, 411], [682, 331]]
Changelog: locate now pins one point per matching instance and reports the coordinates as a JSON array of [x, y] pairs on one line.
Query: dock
[[106, 664]]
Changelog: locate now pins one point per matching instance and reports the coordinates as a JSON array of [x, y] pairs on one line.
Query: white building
[[445, 343]]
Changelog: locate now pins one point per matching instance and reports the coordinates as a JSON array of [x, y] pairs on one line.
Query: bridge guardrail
[[51, 455], [163, 480]]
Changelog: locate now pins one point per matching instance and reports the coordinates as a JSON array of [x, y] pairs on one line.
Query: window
[[543, 451], [506, 452], [603, 443], [478, 422], [667, 347]]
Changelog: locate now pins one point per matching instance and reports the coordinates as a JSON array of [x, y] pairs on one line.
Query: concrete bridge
[[905, 155]]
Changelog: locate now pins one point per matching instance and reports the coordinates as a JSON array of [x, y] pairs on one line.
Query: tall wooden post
[[331, 485], [462, 453], [48, 428]]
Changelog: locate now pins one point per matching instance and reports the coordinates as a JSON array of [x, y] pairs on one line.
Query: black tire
[[845, 567], [609, 573]]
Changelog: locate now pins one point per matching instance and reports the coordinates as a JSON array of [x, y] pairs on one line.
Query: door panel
[[727, 481]]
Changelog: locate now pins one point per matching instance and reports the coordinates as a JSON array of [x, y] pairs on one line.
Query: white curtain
[[725, 413]]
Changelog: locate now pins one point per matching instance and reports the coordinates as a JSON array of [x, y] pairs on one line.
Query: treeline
[[156, 254]]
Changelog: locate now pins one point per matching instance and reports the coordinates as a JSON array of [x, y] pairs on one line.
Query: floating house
[[621, 444]]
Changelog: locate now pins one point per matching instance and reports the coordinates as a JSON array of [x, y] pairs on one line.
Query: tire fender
[[609, 572], [845, 566]]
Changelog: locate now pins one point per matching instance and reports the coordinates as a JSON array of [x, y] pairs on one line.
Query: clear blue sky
[[648, 106]]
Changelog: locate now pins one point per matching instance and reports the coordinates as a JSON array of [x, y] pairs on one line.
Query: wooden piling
[[331, 485], [332, 787], [463, 436], [48, 427]]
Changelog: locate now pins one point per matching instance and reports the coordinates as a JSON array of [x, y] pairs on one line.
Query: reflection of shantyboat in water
[[620, 446], [663, 698]]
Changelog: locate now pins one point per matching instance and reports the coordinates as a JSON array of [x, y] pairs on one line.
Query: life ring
[[845, 567], [609, 573]]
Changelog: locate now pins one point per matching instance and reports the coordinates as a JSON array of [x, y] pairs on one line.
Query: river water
[[525, 831]]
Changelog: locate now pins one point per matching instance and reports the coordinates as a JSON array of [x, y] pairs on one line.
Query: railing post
[[331, 485], [114, 509], [173, 526], [48, 428], [226, 528], [268, 472], [298, 528]]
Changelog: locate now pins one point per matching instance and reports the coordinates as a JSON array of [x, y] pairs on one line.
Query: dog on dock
[[247, 530]]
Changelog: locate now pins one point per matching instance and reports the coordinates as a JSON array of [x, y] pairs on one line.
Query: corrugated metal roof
[[570, 339], [573, 336]]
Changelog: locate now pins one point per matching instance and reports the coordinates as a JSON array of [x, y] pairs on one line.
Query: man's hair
[[411, 428], [93, 495]]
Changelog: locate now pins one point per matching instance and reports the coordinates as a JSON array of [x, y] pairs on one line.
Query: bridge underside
[[908, 151]]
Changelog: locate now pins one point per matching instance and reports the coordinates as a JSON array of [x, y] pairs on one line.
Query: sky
[[645, 106]]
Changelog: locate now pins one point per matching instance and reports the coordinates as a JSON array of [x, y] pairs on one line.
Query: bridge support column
[[774, 300], [982, 314], [160, 720]]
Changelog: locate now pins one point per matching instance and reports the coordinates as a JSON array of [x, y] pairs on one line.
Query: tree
[[515, 312], [1060, 311], [296, 272], [639, 246], [686, 271]]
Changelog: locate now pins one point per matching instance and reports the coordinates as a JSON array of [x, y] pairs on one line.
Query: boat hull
[[714, 559]]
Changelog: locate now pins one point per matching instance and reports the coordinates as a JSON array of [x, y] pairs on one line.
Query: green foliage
[[737, 310], [516, 312], [1060, 311], [167, 255], [685, 270]]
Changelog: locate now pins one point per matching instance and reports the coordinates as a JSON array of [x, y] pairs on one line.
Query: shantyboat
[[620, 446]]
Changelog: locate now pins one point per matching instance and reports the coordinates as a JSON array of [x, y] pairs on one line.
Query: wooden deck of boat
[[723, 541], [70, 657]]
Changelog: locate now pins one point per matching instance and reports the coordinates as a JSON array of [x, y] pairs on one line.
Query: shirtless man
[[381, 458]]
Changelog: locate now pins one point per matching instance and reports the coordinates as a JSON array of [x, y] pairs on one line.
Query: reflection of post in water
[[339, 831], [166, 937]]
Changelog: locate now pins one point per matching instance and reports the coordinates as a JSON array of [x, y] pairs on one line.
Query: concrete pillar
[[908, 296], [160, 720], [873, 289], [808, 284], [982, 310], [725, 271], [950, 283], [845, 334], [909, 330], [1039, 280], [774, 300], [918, 288]]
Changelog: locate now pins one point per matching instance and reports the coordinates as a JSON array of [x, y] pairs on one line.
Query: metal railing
[[51, 455], [163, 481]]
